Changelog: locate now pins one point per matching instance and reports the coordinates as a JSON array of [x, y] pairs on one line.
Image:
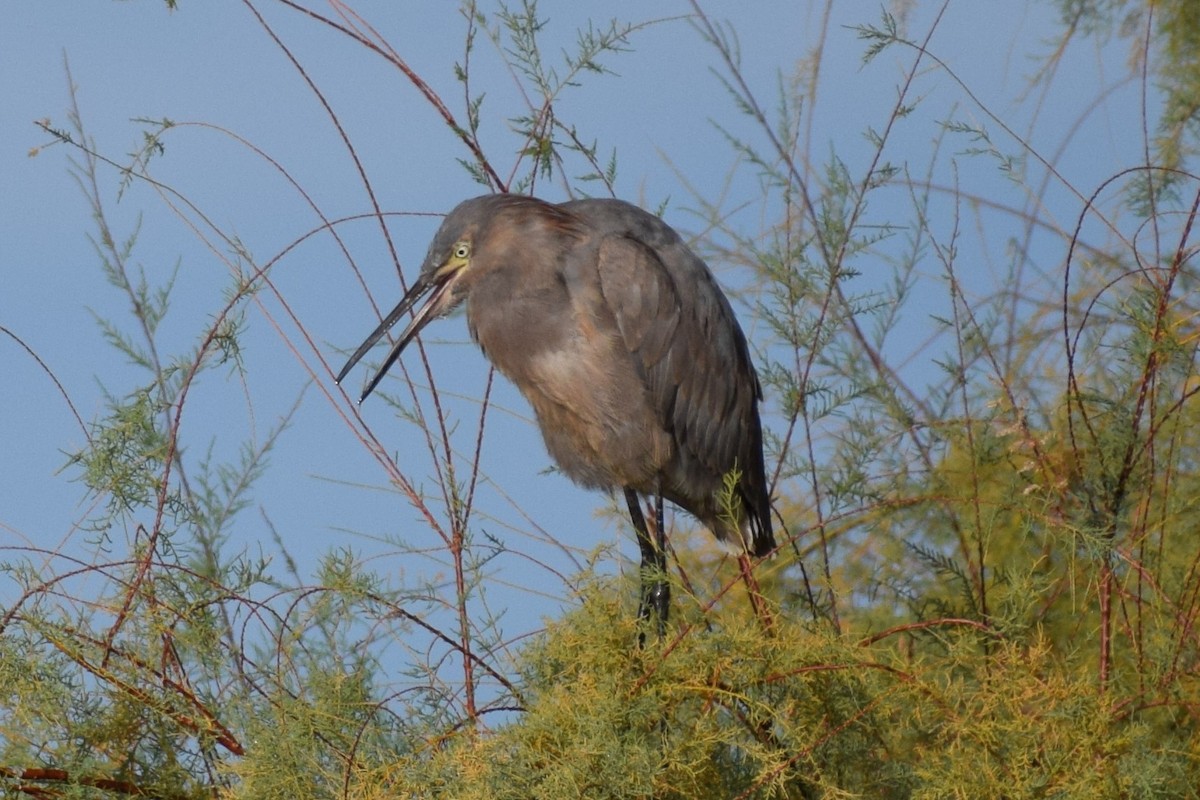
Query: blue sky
[[211, 63]]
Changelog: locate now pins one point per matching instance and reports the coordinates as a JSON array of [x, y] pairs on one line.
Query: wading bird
[[618, 336]]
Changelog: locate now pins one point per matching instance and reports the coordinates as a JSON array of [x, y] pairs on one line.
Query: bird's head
[[449, 269]]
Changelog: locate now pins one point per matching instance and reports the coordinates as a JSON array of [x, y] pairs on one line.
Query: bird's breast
[[591, 401]]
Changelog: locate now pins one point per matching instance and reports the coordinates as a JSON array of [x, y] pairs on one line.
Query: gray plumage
[[621, 340]]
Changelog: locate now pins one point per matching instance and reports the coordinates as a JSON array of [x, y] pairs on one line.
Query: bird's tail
[[757, 535], [744, 520]]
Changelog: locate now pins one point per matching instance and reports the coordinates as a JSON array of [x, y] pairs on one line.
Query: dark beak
[[439, 301]]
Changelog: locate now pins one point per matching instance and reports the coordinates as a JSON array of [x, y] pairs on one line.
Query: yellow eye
[[461, 251]]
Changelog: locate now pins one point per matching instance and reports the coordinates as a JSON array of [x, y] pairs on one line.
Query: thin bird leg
[[655, 594], [660, 593]]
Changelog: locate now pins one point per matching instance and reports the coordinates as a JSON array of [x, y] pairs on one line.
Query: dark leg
[[655, 591], [661, 597]]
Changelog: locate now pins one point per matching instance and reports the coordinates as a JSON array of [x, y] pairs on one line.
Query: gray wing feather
[[696, 363], [684, 336]]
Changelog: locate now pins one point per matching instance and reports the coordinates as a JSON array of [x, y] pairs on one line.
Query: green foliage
[[1173, 30], [547, 139], [988, 584], [703, 714], [126, 454]]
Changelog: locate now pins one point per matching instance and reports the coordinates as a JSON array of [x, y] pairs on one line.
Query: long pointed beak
[[437, 303]]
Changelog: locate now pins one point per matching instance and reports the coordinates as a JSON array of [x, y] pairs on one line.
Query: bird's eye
[[461, 250]]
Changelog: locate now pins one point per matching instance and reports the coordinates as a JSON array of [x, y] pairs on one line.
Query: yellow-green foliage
[[801, 713], [1033, 725], [700, 713]]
